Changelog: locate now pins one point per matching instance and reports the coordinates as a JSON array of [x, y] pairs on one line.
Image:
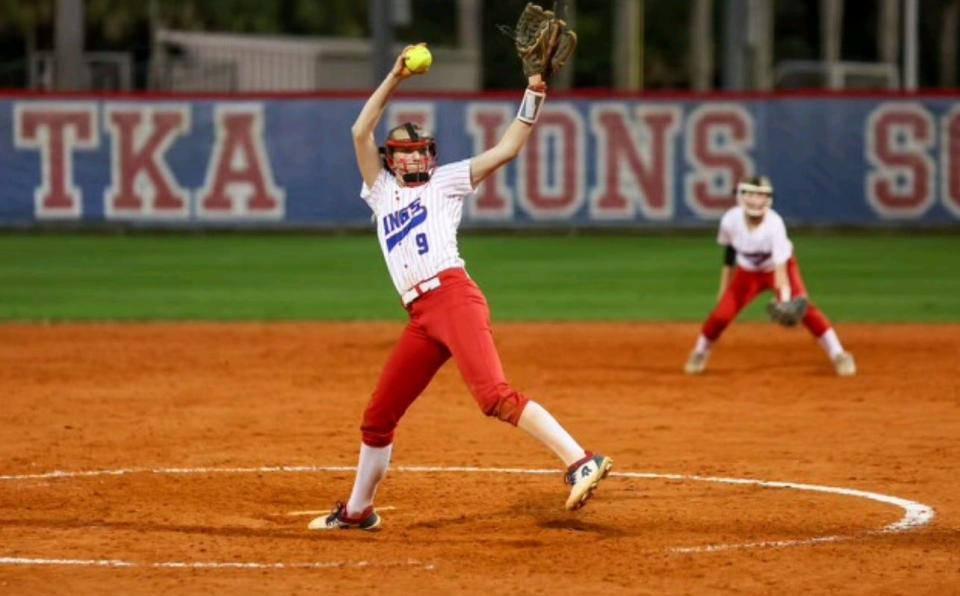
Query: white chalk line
[[915, 514], [119, 563]]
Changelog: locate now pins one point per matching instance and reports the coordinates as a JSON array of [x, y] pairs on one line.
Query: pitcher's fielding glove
[[543, 41], [788, 313]]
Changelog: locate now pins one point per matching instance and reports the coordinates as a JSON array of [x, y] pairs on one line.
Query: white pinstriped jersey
[[759, 248], [417, 226]]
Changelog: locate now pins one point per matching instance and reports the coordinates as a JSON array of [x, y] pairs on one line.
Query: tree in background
[[124, 25], [24, 26]]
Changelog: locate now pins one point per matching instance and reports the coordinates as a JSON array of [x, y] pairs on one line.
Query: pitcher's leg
[[415, 359], [372, 465], [460, 318], [466, 331], [464, 327], [541, 425]]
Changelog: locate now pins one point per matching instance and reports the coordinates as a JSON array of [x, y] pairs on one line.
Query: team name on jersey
[[757, 258], [398, 224]]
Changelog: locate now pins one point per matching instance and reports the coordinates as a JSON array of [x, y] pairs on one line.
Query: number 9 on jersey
[[422, 246]]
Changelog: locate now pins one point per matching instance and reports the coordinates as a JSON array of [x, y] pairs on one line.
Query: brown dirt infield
[[98, 397]]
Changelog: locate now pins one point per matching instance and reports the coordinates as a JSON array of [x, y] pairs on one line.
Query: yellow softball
[[418, 59]]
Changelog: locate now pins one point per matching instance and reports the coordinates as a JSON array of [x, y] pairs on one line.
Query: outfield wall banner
[[623, 162]]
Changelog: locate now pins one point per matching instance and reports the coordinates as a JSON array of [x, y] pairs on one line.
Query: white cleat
[[696, 363], [844, 364], [584, 476]]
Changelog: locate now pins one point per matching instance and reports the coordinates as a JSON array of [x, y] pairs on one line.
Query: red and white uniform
[[417, 226], [759, 250], [449, 315]]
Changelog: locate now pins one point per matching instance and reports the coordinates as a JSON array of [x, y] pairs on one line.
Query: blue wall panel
[[848, 160]]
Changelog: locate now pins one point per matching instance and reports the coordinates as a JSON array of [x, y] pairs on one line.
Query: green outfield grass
[[883, 277]]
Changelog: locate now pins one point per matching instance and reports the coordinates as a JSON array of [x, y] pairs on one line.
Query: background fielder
[[758, 256], [418, 208]]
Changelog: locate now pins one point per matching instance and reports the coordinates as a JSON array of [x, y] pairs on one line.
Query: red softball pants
[[452, 320], [745, 286]]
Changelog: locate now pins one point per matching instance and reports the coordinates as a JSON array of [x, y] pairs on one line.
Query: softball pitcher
[[758, 256], [417, 207]]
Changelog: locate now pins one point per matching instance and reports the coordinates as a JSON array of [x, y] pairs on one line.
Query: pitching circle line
[[915, 515]]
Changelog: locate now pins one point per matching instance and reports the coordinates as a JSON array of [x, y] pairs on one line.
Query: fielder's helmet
[[755, 195]]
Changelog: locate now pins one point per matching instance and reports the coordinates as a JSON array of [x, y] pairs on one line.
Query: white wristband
[[530, 106], [784, 293]]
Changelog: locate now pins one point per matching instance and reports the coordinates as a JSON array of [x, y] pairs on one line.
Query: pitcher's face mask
[[411, 154]]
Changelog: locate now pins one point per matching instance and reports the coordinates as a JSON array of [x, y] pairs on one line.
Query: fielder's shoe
[[583, 477], [696, 363], [338, 519], [844, 364]]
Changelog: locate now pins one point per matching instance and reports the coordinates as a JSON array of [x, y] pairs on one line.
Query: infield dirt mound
[[99, 396]]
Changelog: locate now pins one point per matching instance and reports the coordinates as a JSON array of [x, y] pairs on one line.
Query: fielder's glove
[[788, 313], [544, 42]]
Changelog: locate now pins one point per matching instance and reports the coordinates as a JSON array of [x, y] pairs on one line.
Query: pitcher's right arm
[[364, 144]]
